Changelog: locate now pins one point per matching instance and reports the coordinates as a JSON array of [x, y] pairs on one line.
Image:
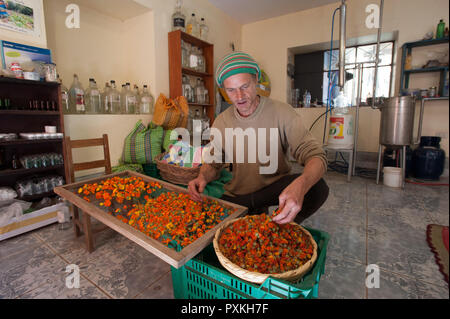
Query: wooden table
[[169, 255]]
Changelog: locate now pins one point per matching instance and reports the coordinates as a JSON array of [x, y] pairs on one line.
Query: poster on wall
[[22, 16]]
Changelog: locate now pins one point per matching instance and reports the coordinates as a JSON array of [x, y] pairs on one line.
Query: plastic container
[[203, 277], [428, 159], [392, 176]]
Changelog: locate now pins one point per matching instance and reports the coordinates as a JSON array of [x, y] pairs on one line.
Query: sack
[[143, 144], [171, 113]]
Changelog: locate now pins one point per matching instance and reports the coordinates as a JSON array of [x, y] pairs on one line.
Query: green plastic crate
[[203, 277]]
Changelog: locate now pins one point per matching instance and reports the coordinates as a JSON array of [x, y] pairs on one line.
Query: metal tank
[[396, 127], [397, 121]]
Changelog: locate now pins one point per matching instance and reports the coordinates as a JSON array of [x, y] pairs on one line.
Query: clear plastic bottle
[[192, 26], [130, 100], [146, 102], [76, 96], [105, 99], [93, 98], [114, 99], [178, 18], [65, 98], [203, 30]]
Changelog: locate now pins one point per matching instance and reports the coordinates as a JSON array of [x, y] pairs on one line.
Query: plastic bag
[[7, 193], [12, 212]]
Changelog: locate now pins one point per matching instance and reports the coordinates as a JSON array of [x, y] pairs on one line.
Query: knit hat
[[235, 63]]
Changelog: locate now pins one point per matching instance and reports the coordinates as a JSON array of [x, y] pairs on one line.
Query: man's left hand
[[291, 202]]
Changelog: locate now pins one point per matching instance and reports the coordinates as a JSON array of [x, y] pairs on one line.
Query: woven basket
[[256, 277], [176, 174]]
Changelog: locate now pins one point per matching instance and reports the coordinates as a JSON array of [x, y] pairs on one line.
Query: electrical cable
[[329, 78]]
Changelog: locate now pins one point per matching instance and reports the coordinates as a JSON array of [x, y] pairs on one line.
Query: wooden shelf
[[24, 141], [28, 112], [194, 73], [25, 171], [199, 104], [424, 70], [27, 82], [176, 71], [30, 198]]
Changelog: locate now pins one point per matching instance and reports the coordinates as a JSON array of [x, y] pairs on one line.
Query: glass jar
[[201, 64], [193, 58]]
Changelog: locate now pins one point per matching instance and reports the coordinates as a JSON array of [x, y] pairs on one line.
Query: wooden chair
[[72, 167]]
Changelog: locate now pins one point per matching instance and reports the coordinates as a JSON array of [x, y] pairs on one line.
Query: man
[[298, 196]]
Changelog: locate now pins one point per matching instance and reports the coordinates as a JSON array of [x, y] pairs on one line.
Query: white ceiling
[[248, 11]]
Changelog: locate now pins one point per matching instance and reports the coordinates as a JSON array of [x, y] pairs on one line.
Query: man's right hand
[[196, 187]]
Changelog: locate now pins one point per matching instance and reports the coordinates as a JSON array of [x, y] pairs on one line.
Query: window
[[358, 54]]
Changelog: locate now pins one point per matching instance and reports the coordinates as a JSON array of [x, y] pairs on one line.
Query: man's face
[[241, 89]]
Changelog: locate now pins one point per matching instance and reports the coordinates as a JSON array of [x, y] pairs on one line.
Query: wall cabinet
[[27, 107], [176, 69]]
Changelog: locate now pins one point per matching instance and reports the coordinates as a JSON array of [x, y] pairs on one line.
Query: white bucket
[[341, 131], [392, 176]]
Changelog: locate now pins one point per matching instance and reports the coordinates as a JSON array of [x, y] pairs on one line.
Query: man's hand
[[196, 187], [291, 201]]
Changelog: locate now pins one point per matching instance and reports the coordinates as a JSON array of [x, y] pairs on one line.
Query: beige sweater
[[291, 135]]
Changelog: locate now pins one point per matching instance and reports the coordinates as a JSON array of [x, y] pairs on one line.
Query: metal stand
[[402, 161]]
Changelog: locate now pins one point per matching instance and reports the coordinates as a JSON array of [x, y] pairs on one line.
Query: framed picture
[[22, 19]]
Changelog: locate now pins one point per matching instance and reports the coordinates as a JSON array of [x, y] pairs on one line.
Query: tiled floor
[[368, 224]]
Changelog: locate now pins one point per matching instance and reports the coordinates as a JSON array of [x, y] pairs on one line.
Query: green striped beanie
[[235, 63]]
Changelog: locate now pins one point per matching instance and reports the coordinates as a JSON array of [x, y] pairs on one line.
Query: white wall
[[134, 50], [269, 40]]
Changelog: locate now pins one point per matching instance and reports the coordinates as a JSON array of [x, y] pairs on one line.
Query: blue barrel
[[428, 159]]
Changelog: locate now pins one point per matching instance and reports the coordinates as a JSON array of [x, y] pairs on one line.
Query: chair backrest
[[74, 167]]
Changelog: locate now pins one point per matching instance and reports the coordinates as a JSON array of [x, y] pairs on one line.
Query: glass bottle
[[199, 92], [184, 55], [76, 96], [193, 58], [205, 94], [178, 18], [197, 129], [114, 99], [105, 99], [186, 89], [93, 98], [203, 30], [146, 102], [201, 67], [192, 26], [138, 98], [130, 100], [65, 98], [205, 122], [189, 122]]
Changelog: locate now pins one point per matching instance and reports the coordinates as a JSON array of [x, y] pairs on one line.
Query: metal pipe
[[342, 43], [377, 55]]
